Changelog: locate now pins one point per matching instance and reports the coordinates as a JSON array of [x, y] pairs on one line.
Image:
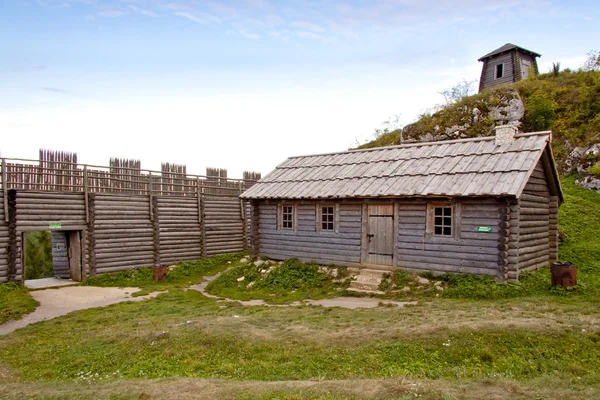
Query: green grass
[[185, 274], [277, 283], [15, 302]]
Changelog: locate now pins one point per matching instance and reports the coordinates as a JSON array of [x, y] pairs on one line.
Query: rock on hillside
[[567, 103]]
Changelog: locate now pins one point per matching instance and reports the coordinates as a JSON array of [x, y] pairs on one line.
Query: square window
[[443, 221], [327, 214]]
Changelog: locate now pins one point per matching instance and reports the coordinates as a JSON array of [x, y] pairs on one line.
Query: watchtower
[[507, 64]]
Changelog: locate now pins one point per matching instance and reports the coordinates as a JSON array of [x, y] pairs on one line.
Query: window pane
[[448, 221], [447, 231], [438, 221], [438, 230], [447, 211], [438, 211]]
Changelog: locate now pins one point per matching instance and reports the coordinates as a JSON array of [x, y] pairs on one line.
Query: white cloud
[[110, 13], [308, 26], [201, 18], [142, 11], [248, 35]]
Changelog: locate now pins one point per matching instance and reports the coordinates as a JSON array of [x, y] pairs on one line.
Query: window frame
[[319, 214], [294, 215], [496, 76], [443, 224], [455, 220]]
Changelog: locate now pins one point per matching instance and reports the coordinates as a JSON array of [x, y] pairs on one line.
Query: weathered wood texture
[[3, 242], [306, 243], [60, 257], [179, 229], [37, 210], [467, 251], [488, 75], [123, 232], [60, 172], [223, 224], [535, 226]]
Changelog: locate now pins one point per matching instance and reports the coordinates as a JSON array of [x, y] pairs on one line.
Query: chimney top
[[505, 134]]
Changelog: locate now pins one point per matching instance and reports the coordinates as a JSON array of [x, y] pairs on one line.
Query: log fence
[[129, 216]]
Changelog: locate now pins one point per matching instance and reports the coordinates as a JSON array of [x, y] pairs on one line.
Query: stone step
[[366, 291], [365, 286], [373, 272], [368, 279]]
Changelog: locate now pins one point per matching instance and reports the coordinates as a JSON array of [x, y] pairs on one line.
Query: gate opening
[[52, 254]]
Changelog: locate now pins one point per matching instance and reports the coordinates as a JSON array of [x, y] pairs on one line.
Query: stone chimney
[[505, 134]]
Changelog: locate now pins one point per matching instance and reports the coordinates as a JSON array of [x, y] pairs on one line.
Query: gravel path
[[61, 301], [344, 302]]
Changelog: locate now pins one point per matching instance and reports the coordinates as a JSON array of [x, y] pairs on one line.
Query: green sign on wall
[[55, 225], [484, 229]]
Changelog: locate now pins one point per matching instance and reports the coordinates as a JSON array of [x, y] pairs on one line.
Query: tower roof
[[507, 47]]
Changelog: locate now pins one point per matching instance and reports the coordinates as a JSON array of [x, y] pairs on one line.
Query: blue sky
[[246, 84]]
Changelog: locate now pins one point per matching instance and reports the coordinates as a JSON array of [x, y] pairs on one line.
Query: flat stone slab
[[46, 283], [58, 302], [343, 302]]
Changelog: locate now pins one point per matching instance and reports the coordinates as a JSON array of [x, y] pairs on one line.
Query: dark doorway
[[52, 254]]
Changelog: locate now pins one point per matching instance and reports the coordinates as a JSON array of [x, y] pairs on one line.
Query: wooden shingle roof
[[507, 47], [466, 167]]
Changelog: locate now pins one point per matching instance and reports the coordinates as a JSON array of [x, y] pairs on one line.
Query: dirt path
[[57, 302], [344, 302], [61, 301]]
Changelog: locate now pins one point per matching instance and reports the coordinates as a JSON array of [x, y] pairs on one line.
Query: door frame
[[82, 229], [364, 254]]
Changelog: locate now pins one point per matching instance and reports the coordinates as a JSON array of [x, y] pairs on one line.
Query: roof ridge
[[418, 144]]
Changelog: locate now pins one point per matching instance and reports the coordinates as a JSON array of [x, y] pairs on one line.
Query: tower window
[[499, 71]]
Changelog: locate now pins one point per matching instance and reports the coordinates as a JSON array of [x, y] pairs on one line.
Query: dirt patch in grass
[[184, 389]]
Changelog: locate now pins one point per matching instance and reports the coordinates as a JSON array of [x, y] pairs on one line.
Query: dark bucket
[[564, 274], [159, 272]]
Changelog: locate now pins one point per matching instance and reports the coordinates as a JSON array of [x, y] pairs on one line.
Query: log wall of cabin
[[468, 251], [306, 242], [488, 73], [535, 225]]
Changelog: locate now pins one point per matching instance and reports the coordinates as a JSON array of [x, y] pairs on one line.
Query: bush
[[38, 257]]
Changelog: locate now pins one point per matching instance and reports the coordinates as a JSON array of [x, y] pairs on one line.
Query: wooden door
[[380, 234], [75, 255]]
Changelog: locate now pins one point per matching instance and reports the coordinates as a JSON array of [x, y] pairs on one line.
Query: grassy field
[[477, 339], [15, 302]]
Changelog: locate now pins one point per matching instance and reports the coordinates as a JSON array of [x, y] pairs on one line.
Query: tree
[[593, 61], [459, 92]]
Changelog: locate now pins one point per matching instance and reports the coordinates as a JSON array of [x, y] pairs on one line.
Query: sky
[[243, 85]]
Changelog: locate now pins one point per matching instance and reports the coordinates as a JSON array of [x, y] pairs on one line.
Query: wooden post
[[202, 225], [85, 193], [91, 242], [150, 196], [5, 189], [199, 199], [13, 245], [156, 231]]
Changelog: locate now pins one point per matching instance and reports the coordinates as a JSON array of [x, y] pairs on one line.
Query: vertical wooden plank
[[5, 190], [85, 194], [365, 230], [75, 255], [337, 217], [396, 233]]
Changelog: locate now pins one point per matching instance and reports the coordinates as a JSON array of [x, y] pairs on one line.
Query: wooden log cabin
[[485, 206], [507, 64]]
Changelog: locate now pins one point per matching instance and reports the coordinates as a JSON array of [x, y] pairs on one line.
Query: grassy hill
[[568, 103]]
